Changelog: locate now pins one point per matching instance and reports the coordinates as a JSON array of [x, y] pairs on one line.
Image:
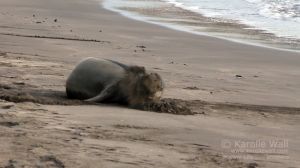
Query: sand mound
[[172, 106]]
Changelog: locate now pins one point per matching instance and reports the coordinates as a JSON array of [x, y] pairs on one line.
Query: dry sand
[[41, 41]]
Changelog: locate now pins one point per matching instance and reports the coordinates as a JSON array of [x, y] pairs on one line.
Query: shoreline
[[141, 14]]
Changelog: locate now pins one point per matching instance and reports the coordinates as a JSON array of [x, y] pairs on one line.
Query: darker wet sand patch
[[25, 93], [42, 97]]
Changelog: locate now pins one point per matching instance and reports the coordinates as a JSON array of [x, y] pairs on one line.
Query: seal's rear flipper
[[105, 94]]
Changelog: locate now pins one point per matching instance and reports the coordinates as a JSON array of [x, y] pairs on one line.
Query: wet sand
[[238, 92]]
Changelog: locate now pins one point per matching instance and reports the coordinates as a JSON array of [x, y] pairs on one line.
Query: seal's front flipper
[[106, 93]]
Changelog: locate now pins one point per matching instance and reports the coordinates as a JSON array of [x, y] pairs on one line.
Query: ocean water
[[281, 17], [269, 23]]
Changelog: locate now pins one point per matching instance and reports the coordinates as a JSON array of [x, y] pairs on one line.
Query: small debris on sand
[[19, 83], [52, 159], [9, 124], [192, 88], [238, 76], [7, 106], [55, 20], [4, 86], [140, 46], [3, 53], [11, 164], [252, 165]]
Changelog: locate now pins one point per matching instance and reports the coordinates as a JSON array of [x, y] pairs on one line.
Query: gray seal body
[[93, 76], [100, 80]]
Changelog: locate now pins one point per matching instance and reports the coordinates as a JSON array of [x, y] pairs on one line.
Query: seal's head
[[153, 86], [141, 87]]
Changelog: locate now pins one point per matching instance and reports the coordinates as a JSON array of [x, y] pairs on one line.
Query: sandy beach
[[240, 93]]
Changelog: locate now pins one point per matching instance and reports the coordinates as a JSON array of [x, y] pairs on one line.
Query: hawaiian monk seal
[[100, 80]]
